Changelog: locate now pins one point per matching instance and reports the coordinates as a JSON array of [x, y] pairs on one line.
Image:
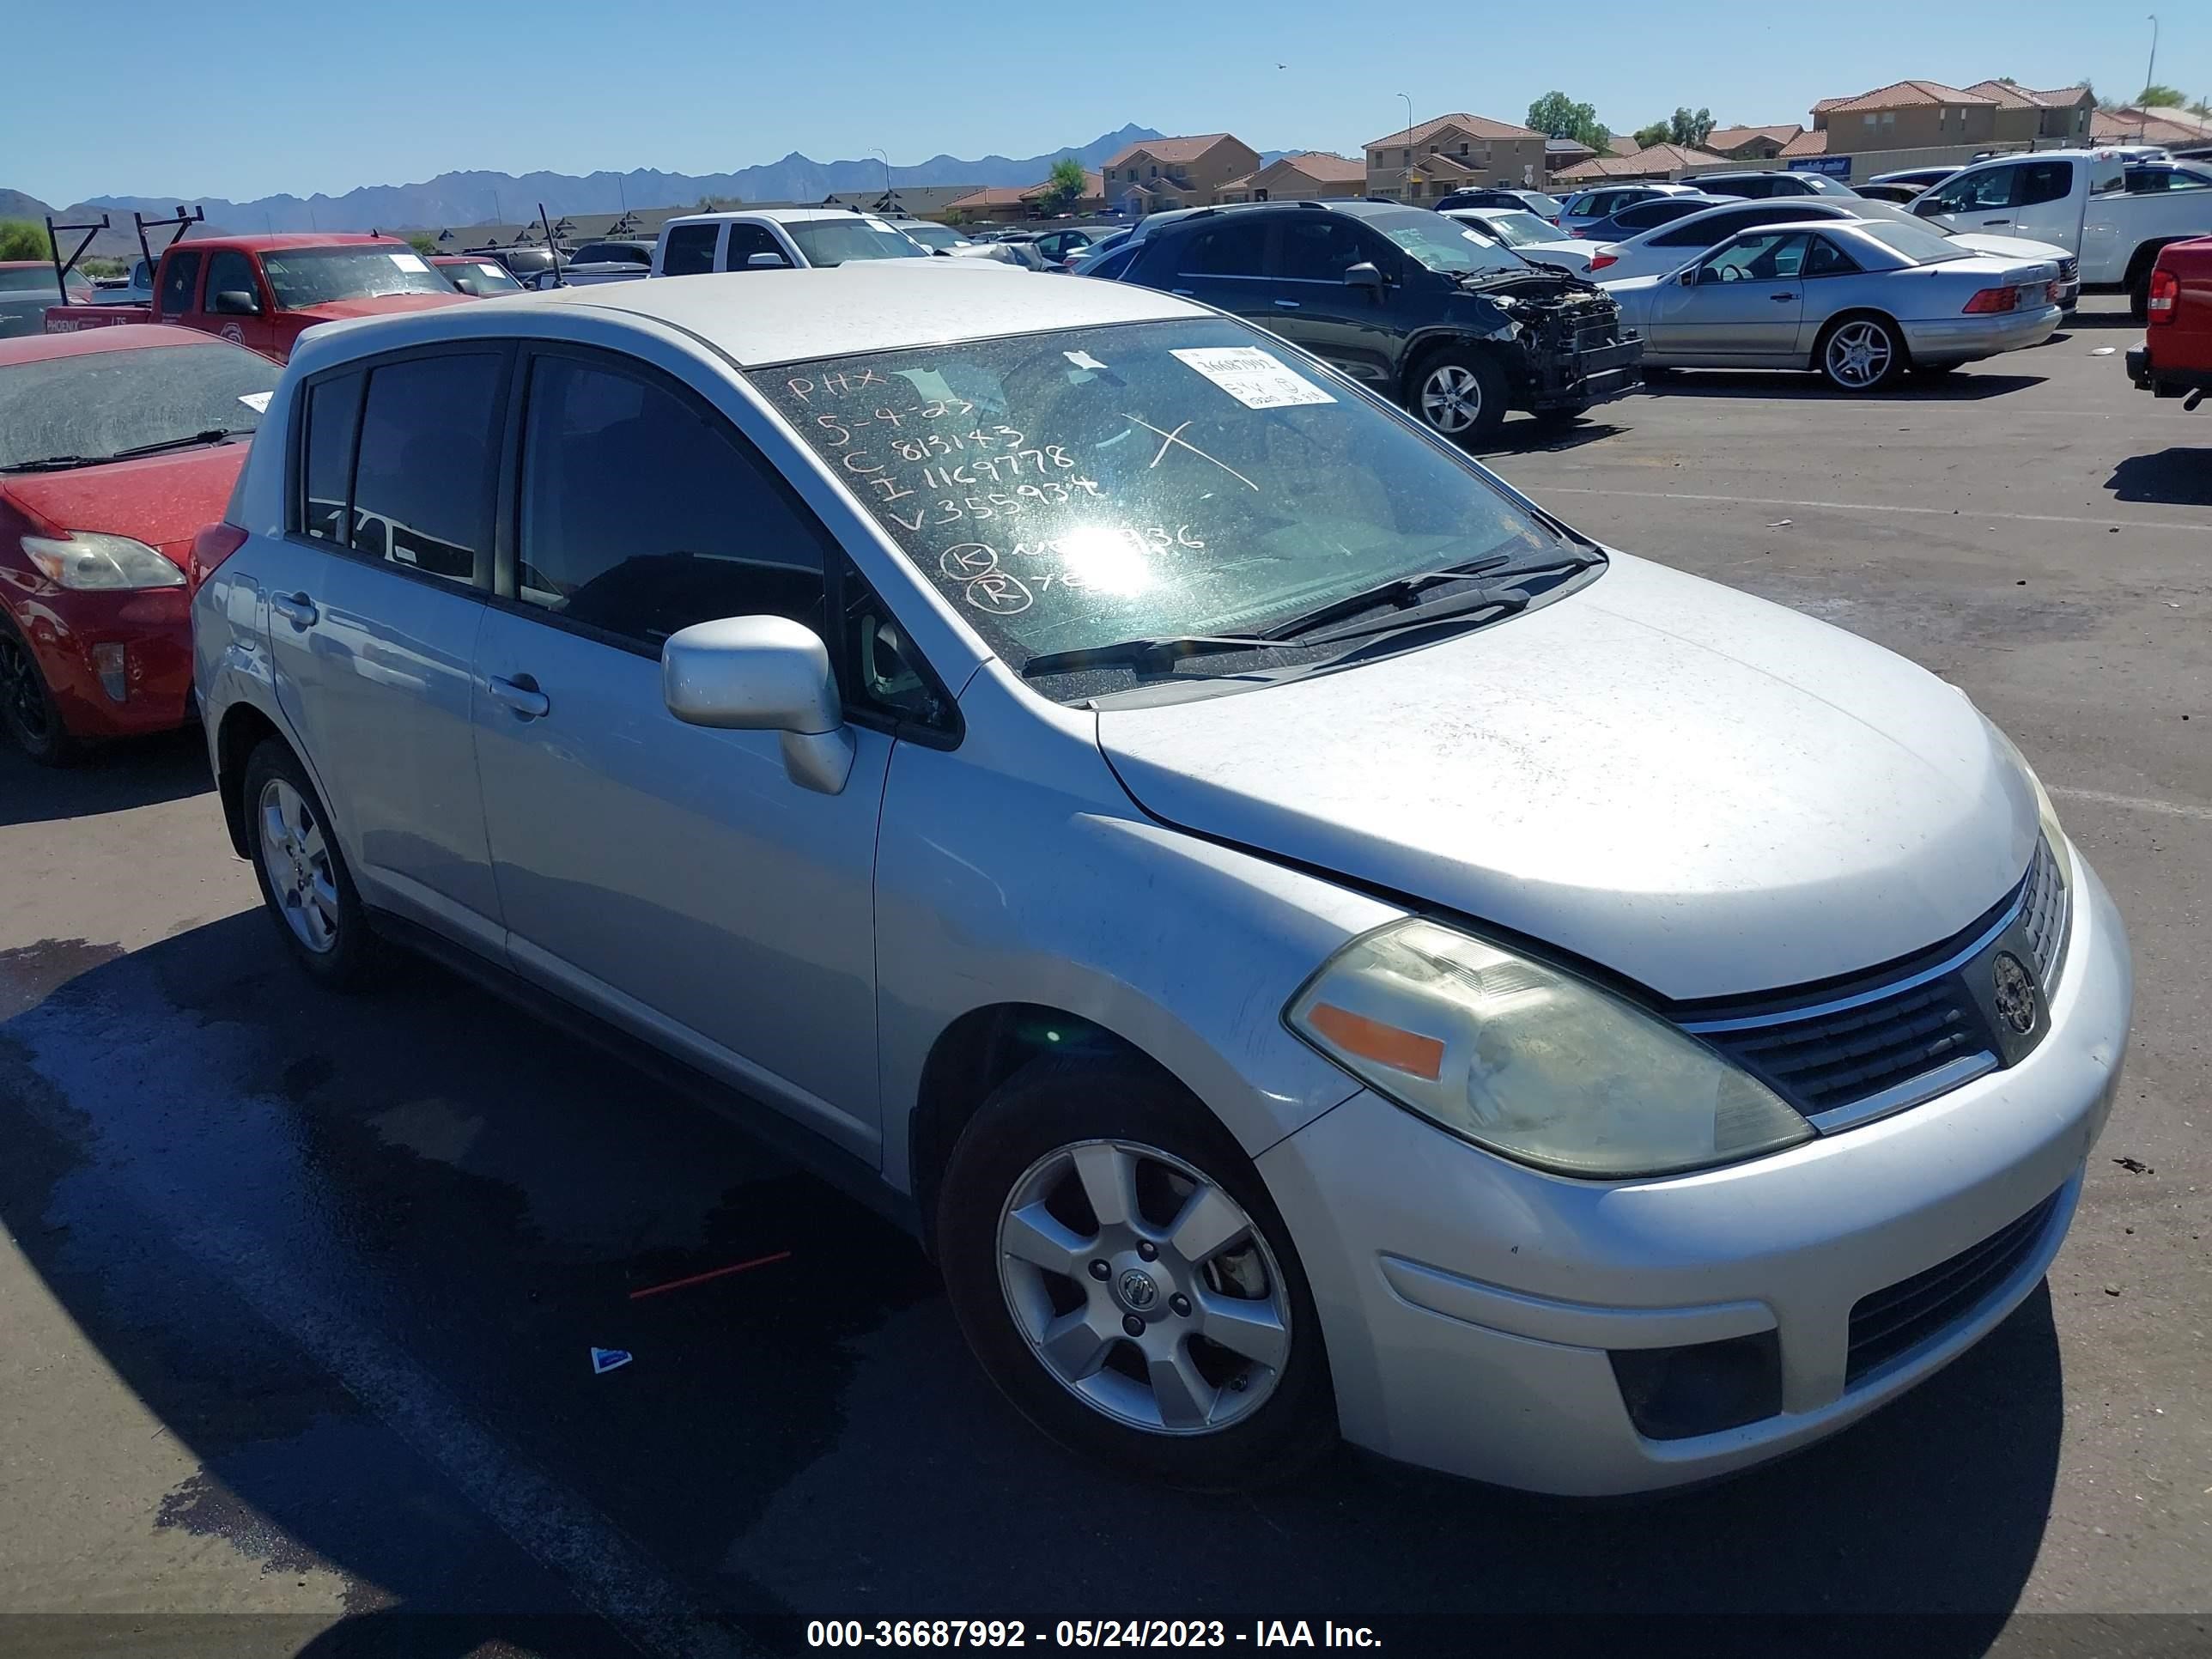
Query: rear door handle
[[296, 609], [521, 697], [1287, 305], [1997, 222], [1781, 299]]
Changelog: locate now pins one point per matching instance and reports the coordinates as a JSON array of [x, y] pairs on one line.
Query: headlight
[[1532, 1063], [88, 559], [2055, 836]]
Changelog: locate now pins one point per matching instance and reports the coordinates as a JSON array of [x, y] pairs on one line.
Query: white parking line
[[90, 1053], [1869, 506], [2172, 809]]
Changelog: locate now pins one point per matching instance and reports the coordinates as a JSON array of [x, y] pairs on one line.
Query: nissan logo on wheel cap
[[1137, 1290]]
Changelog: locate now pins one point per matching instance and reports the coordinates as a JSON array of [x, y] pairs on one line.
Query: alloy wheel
[[1143, 1287], [1451, 398], [1859, 354], [23, 696], [295, 858]]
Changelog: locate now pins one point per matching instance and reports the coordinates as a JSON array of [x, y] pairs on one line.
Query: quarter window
[[326, 457], [689, 249], [642, 515], [1823, 258], [428, 463]]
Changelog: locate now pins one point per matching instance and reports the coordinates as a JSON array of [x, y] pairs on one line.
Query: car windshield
[[1520, 229], [833, 241], [90, 405], [1540, 204], [1443, 244], [25, 279], [316, 275], [1082, 487], [930, 235], [1914, 241], [484, 277]]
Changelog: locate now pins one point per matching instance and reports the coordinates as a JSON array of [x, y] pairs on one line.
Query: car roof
[[774, 215], [1812, 209], [285, 240], [792, 315], [127, 336]]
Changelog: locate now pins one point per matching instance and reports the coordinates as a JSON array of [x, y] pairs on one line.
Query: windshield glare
[[1091, 486], [833, 241], [95, 403], [1914, 241], [930, 235], [1443, 244], [1521, 229], [486, 277], [316, 275]]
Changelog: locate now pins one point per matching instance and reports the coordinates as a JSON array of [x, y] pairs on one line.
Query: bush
[[23, 239]]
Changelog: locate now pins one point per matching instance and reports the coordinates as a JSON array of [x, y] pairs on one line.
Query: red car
[[2175, 358], [116, 445]]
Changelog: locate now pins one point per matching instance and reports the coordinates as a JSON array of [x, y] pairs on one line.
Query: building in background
[[2028, 119], [1751, 143], [1304, 178], [1453, 152], [1007, 203], [2174, 128], [1156, 174], [1665, 162]]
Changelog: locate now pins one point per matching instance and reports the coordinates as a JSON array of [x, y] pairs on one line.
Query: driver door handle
[[521, 697], [296, 609], [1781, 299], [1997, 222], [1287, 305]]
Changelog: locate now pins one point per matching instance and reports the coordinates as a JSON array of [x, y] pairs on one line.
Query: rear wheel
[[1117, 1265], [304, 880], [1459, 393], [1861, 354], [28, 710]]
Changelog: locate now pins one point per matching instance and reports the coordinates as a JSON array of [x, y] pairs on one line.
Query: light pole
[[2150, 74], [887, 175], [1408, 97]]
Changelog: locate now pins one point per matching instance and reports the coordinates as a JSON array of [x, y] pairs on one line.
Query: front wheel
[[28, 711], [1459, 394], [1117, 1265], [1861, 354]]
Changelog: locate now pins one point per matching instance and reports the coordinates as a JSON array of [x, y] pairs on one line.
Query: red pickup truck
[[2175, 359], [263, 292]]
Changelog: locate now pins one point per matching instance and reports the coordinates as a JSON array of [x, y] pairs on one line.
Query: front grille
[[2045, 906], [1826, 1062], [2068, 270], [1894, 1323], [1856, 1047]]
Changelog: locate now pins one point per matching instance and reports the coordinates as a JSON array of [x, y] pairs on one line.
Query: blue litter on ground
[[607, 1360]]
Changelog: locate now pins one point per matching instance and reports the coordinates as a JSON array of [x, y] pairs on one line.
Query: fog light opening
[[110, 663], [1674, 1394]]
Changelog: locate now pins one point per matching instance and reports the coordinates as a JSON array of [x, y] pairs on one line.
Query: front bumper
[[153, 627], [1470, 1305], [1587, 374], [1963, 340]]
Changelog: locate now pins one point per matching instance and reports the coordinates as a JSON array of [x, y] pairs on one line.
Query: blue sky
[[256, 97]]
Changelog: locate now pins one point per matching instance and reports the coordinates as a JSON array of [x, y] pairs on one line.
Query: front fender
[[1040, 881]]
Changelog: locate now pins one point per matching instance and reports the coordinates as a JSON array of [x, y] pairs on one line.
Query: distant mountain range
[[470, 198]]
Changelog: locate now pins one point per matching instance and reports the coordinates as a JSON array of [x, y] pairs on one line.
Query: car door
[[747, 240], [1979, 200], [1825, 285], [674, 879], [1358, 328], [232, 274], [689, 249], [1742, 305], [375, 596], [1221, 260], [177, 299], [2043, 205]]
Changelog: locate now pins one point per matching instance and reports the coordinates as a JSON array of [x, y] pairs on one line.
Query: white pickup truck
[[768, 238], [2078, 199]]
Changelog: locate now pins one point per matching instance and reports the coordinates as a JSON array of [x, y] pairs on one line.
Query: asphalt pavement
[[298, 1292]]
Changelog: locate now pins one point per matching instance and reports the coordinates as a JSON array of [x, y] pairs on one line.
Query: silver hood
[[1704, 792]]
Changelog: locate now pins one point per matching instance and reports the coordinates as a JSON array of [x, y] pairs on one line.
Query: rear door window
[[180, 283], [689, 249], [429, 463], [1318, 247], [2042, 181], [1235, 247], [333, 415]]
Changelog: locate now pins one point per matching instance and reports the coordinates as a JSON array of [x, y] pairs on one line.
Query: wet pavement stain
[[29, 974]]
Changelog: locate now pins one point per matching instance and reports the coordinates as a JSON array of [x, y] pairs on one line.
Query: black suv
[[1457, 328]]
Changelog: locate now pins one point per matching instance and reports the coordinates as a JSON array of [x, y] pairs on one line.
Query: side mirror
[[1365, 276], [236, 302], [1689, 276], [767, 262], [1925, 207], [762, 674]]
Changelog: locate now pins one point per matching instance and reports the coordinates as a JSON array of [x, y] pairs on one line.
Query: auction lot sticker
[[1256, 378]]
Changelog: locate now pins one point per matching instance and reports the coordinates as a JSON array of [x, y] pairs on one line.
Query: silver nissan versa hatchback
[[1314, 944]]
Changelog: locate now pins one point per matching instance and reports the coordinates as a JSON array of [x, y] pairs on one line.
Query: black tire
[[1934, 371], [1562, 417], [29, 714], [1472, 401], [1658, 371], [354, 951], [1893, 361], [2139, 289], [1036, 1117]]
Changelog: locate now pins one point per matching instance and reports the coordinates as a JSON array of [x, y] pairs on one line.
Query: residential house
[[1454, 152], [1750, 143], [1657, 161], [1009, 203], [914, 201], [1560, 154], [1304, 178], [2154, 125], [1155, 175], [1908, 115], [1805, 143]]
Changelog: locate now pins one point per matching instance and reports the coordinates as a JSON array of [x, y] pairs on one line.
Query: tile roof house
[[1908, 115], [1155, 174], [1750, 143], [1806, 143], [1304, 178], [2156, 125], [1453, 152], [1667, 162], [2026, 117], [1010, 201]]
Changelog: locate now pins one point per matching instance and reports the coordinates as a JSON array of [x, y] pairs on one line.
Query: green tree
[[23, 239], [1558, 116], [1657, 133], [1689, 127], [2201, 106], [2157, 97], [1064, 185], [422, 242]]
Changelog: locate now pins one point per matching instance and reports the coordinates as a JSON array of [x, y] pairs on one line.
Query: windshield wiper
[[1162, 653], [213, 434], [1396, 590], [52, 463]]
